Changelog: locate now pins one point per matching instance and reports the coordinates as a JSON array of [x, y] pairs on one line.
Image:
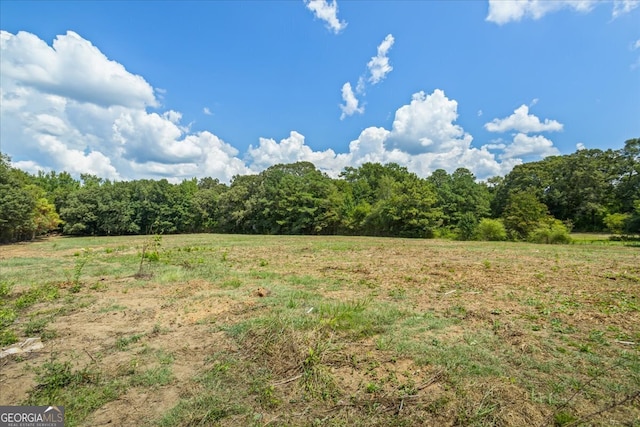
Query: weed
[[317, 380], [123, 343], [7, 337], [35, 326], [80, 391], [563, 418], [7, 317], [152, 377], [398, 293], [74, 278], [37, 293], [150, 252], [5, 290], [267, 395], [231, 283]]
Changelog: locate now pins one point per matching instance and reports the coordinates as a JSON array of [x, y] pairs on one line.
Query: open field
[[271, 330]]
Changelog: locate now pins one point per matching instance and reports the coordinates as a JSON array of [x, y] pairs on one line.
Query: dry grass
[[269, 330]]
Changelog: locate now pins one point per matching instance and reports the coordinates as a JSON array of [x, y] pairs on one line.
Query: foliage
[[491, 230], [593, 190], [616, 222], [551, 232], [459, 195], [523, 214], [467, 226], [20, 208]]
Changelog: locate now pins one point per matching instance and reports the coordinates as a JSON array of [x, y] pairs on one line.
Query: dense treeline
[[589, 190]]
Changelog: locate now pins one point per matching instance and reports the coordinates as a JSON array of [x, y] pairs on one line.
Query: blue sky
[[129, 90]]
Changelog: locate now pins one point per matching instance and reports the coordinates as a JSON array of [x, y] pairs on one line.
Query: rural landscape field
[[231, 330]]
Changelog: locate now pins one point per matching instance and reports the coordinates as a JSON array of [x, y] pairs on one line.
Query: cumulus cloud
[[48, 126], [293, 149], [207, 111], [423, 137], [379, 65], [68, 107], [522, 121], [504, 11], [328, 12], [350, 106], [527, 147], [523, 147], [427, 124], [72, 68]]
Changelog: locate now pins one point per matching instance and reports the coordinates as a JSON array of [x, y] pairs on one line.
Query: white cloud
[[207, 111], [580, 146], [54, 129], [504, 11], [621, 7], [98, 123], [291, 150], [379, 65], [72, 68], [427, 125], [529, 147], [522, 121], [350, 106], [377, 69], [29, 166], [636, 45], [427, 118], [497, 145], [328, 12]]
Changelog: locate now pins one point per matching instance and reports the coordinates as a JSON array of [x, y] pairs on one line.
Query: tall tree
[[523, 214]]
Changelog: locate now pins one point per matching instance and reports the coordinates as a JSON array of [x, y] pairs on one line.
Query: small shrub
[[445, 233], [552, 232], [491, 230], [35, 327]]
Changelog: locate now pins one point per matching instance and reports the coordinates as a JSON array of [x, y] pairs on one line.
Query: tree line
[[589, 190]]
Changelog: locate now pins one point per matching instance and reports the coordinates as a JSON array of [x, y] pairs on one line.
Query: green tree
[[238, 206], [523, 214], [460, 198], [20, 205]]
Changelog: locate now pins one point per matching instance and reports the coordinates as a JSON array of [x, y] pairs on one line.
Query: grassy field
[[272, 330]]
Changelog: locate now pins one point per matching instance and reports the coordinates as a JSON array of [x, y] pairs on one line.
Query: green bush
[[551, 232], [491, 229], [616, 222]]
